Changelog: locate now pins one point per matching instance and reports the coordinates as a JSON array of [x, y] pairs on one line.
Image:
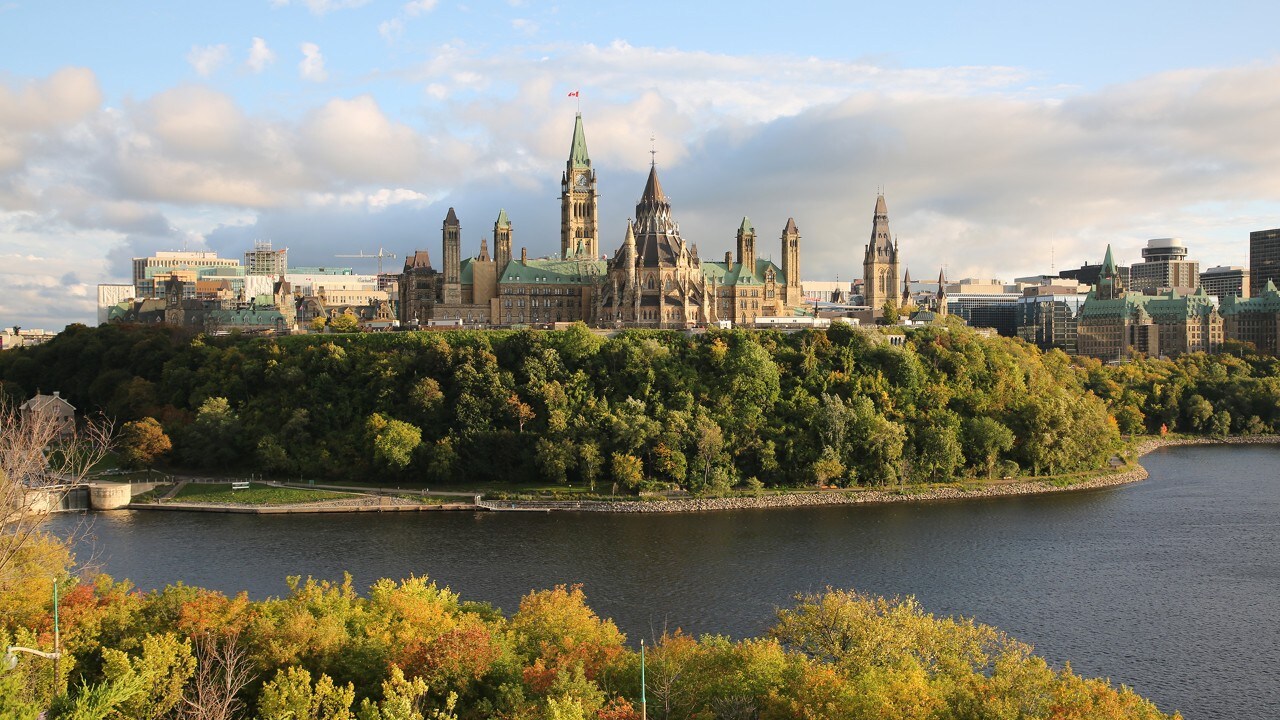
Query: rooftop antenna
[[653, 151]]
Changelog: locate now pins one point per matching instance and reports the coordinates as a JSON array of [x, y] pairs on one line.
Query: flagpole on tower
[[577, 98]]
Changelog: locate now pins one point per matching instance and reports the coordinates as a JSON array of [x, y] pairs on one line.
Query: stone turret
[[451, 290], [747, 245]]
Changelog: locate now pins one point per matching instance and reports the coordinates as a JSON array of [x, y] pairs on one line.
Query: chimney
[[728, 260], [57, 394], [524, 256]]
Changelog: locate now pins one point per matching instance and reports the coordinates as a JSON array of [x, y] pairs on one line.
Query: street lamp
[[643, 707]]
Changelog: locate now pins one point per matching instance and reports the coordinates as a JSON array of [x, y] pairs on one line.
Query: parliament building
[[654, 279]]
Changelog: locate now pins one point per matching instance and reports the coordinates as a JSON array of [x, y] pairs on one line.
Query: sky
[[1009, 138]]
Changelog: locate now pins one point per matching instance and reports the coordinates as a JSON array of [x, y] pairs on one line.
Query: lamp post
[[643, 706]]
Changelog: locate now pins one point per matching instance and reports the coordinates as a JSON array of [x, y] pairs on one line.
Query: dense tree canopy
[[702, 412], [411, 650]]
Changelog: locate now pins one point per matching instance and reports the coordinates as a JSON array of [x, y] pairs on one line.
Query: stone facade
[[1114, 323], [654, 279], [1254, 320], [880, 263]]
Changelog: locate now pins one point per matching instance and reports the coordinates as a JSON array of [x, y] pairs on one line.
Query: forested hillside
[[641, 408]]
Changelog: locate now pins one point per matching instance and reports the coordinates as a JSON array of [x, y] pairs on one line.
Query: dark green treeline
[[641, 408]]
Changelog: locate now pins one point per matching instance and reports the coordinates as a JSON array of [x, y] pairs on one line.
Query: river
[[1170, 586]]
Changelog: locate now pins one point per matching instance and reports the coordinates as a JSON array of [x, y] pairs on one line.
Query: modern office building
[[1264, 258], [1047, 316], [1225, 281], [174, 260], [1088, 274], [1165, 267]]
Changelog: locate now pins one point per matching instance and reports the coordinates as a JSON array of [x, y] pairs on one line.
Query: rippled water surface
[[1171, 586]]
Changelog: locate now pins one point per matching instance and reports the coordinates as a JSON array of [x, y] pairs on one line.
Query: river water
[[1170, 586]]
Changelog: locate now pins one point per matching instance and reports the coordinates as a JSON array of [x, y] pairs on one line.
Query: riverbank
[[1129, 472], [1125, 474]]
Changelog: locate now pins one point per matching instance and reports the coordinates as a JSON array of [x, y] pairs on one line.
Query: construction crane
[[381, 254]]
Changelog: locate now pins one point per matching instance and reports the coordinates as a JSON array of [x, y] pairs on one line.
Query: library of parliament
[[654, 279]]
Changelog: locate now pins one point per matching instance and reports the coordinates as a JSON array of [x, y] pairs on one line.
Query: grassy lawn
[[257, 494]]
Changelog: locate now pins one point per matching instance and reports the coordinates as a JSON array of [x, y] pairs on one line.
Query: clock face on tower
[[580, 181]]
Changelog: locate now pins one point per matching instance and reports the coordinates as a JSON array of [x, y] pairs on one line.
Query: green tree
[[393, 441], [141, 442], [344, 323], [984, 439], [291, 696], [628, 471], [889, 312], [590, 463]]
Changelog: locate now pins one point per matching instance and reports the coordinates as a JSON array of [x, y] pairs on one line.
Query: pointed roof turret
[[1270, 288], [745, 227], [881, 248], [942, 284], [484, 249], [578, 148], [451, 219], [1109, 263], [906, 278], [653, 188], [790, 227], [503, 220]]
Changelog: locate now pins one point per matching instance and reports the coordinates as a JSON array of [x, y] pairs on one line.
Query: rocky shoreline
[[1123, 476]]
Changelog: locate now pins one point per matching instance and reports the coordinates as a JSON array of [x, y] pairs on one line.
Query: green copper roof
[[578, 151], [503, 220], [553, 272], [739, 275], [746, 225], [1267, 302], [1108, 263], [1169, 305]]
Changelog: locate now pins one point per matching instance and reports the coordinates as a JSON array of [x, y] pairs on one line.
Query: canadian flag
[[573, 94]]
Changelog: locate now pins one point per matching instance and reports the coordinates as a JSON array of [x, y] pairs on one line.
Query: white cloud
[[355, 141], [206, 59], [391, 30], [260, 56], [312, 65], [375, 201], [419, 7], [981, 174], [525, 25], [323, 7]]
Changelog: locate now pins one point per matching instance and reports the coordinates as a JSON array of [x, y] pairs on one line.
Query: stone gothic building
[[1116, 322], [880, 264], [654, 279]]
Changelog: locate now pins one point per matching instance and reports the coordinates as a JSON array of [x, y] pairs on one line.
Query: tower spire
[[578, 157]]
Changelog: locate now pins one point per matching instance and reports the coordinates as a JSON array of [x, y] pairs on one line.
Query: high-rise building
[[1165, 267], [264, 260], [880, 263], [1264, 258], [1225, 281]]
